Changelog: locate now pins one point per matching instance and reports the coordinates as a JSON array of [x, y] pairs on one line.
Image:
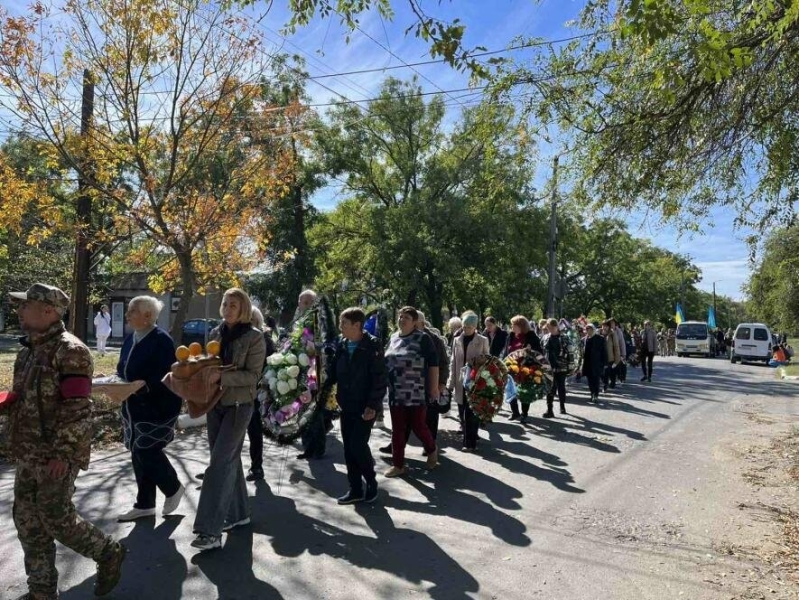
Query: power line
[[443, 60]]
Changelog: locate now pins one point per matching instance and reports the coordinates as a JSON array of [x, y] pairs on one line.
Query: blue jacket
[[150, 360]]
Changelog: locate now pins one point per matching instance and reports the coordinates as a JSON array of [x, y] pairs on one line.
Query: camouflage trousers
[[44, 513]]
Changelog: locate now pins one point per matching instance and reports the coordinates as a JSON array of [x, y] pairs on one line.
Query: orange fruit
[[182, 353], [213, 348], [195, 349]]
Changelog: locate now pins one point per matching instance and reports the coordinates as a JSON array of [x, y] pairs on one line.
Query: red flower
[[473, 374], [481, 384]]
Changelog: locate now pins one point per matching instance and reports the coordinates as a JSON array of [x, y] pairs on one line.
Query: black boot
[[549, 414]]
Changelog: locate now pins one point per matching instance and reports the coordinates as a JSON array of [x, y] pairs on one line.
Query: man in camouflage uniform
[[49, 436]]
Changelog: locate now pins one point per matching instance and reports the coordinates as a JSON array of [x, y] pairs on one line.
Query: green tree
[[772, 290], [677, 106], [433, 217]]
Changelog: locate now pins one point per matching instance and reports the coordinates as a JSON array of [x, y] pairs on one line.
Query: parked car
[[752, 341], [196, 330], [694, 337]]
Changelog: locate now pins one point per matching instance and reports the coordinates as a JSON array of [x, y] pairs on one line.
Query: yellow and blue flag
[[679, 317]]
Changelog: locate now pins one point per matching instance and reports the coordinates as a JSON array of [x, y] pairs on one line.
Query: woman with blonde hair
[[223, 500], [521, 336]]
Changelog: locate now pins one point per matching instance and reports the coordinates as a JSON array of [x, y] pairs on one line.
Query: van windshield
[[691, 331]]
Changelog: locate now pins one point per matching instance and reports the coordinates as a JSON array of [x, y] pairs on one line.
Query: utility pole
[[715, 313], [83, 213], [553, 242]]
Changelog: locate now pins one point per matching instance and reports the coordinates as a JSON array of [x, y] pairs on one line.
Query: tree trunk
[[187, 287]]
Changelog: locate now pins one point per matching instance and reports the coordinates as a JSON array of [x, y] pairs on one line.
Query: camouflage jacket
[[52, 417]]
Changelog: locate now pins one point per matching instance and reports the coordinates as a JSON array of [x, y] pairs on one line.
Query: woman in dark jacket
[[149, 416], [359, 371], [521, 336], [497, 337], [595, 357]]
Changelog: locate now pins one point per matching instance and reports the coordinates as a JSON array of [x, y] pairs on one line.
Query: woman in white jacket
[[465, 348], [102, 328]]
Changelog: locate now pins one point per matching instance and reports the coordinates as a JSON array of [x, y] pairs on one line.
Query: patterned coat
[[52, 417]]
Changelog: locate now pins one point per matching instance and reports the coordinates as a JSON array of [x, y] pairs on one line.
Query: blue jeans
[[224, 492]]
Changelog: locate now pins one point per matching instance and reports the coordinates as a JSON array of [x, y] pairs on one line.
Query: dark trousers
[[416, 417], [470, 423], [315, 434], [559, 386], [514, 407], [355, 434], [609, 376], [646, 362], [593, 384], [621, 371], [255, 431], [153, 470]]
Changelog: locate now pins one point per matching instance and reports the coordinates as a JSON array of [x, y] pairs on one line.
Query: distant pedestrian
[[595, 358], [649, 347], [102, 328], [50, 435], [614, 357], [521, 336], [497, 337], [556, 351], [469, 346]]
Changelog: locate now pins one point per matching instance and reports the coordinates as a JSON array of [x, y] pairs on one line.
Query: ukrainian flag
[[679, 317]]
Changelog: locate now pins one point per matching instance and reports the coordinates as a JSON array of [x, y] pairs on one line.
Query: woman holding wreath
[[466, 347], [223, 499], [521, 336]]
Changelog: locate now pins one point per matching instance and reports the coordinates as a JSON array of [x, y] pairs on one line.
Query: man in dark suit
[[496, 336]]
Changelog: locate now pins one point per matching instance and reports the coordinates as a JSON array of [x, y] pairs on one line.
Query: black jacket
[[530, 339], [362, 378], [556, 353], [149, 360], [595, 356], [497, 343]]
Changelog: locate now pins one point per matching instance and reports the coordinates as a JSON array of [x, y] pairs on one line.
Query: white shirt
[[102, 324]]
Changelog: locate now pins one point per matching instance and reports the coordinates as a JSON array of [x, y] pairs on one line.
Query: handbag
[[444, 404]]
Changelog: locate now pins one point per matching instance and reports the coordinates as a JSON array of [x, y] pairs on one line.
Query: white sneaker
[[171, 503], [207, 542], [136, 513], [229, 526]]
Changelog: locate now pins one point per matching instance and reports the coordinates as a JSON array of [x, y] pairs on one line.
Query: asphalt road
[[639, 499]]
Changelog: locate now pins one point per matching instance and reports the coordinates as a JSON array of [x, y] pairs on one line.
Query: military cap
[[44, 293]]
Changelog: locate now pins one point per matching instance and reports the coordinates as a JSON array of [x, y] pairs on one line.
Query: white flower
[[293, 384], [271, 374], [282, 374], [273, 384], [304, 360], [283, 388], [275, 359], [291, 359], [293, 371], [491, 383]]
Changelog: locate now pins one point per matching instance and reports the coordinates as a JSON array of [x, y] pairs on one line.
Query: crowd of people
[[417, 371]]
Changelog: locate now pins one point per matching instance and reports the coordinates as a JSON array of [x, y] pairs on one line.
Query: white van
[[694, 337], [752, 341]]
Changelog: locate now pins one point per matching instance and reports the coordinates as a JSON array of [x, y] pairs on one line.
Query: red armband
[[7, 399], [76, 386]]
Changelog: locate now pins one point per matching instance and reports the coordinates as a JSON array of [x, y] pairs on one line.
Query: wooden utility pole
[[80, 279], [553, 242]]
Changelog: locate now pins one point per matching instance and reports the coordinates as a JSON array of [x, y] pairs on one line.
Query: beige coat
[[477, 347], [612, 344], [249, 353]]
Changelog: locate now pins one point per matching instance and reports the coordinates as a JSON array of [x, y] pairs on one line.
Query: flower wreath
[[293, 387], [531, 374], [484, 385]]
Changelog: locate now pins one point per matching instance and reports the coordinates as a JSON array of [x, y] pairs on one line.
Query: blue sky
[[719, 251]]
